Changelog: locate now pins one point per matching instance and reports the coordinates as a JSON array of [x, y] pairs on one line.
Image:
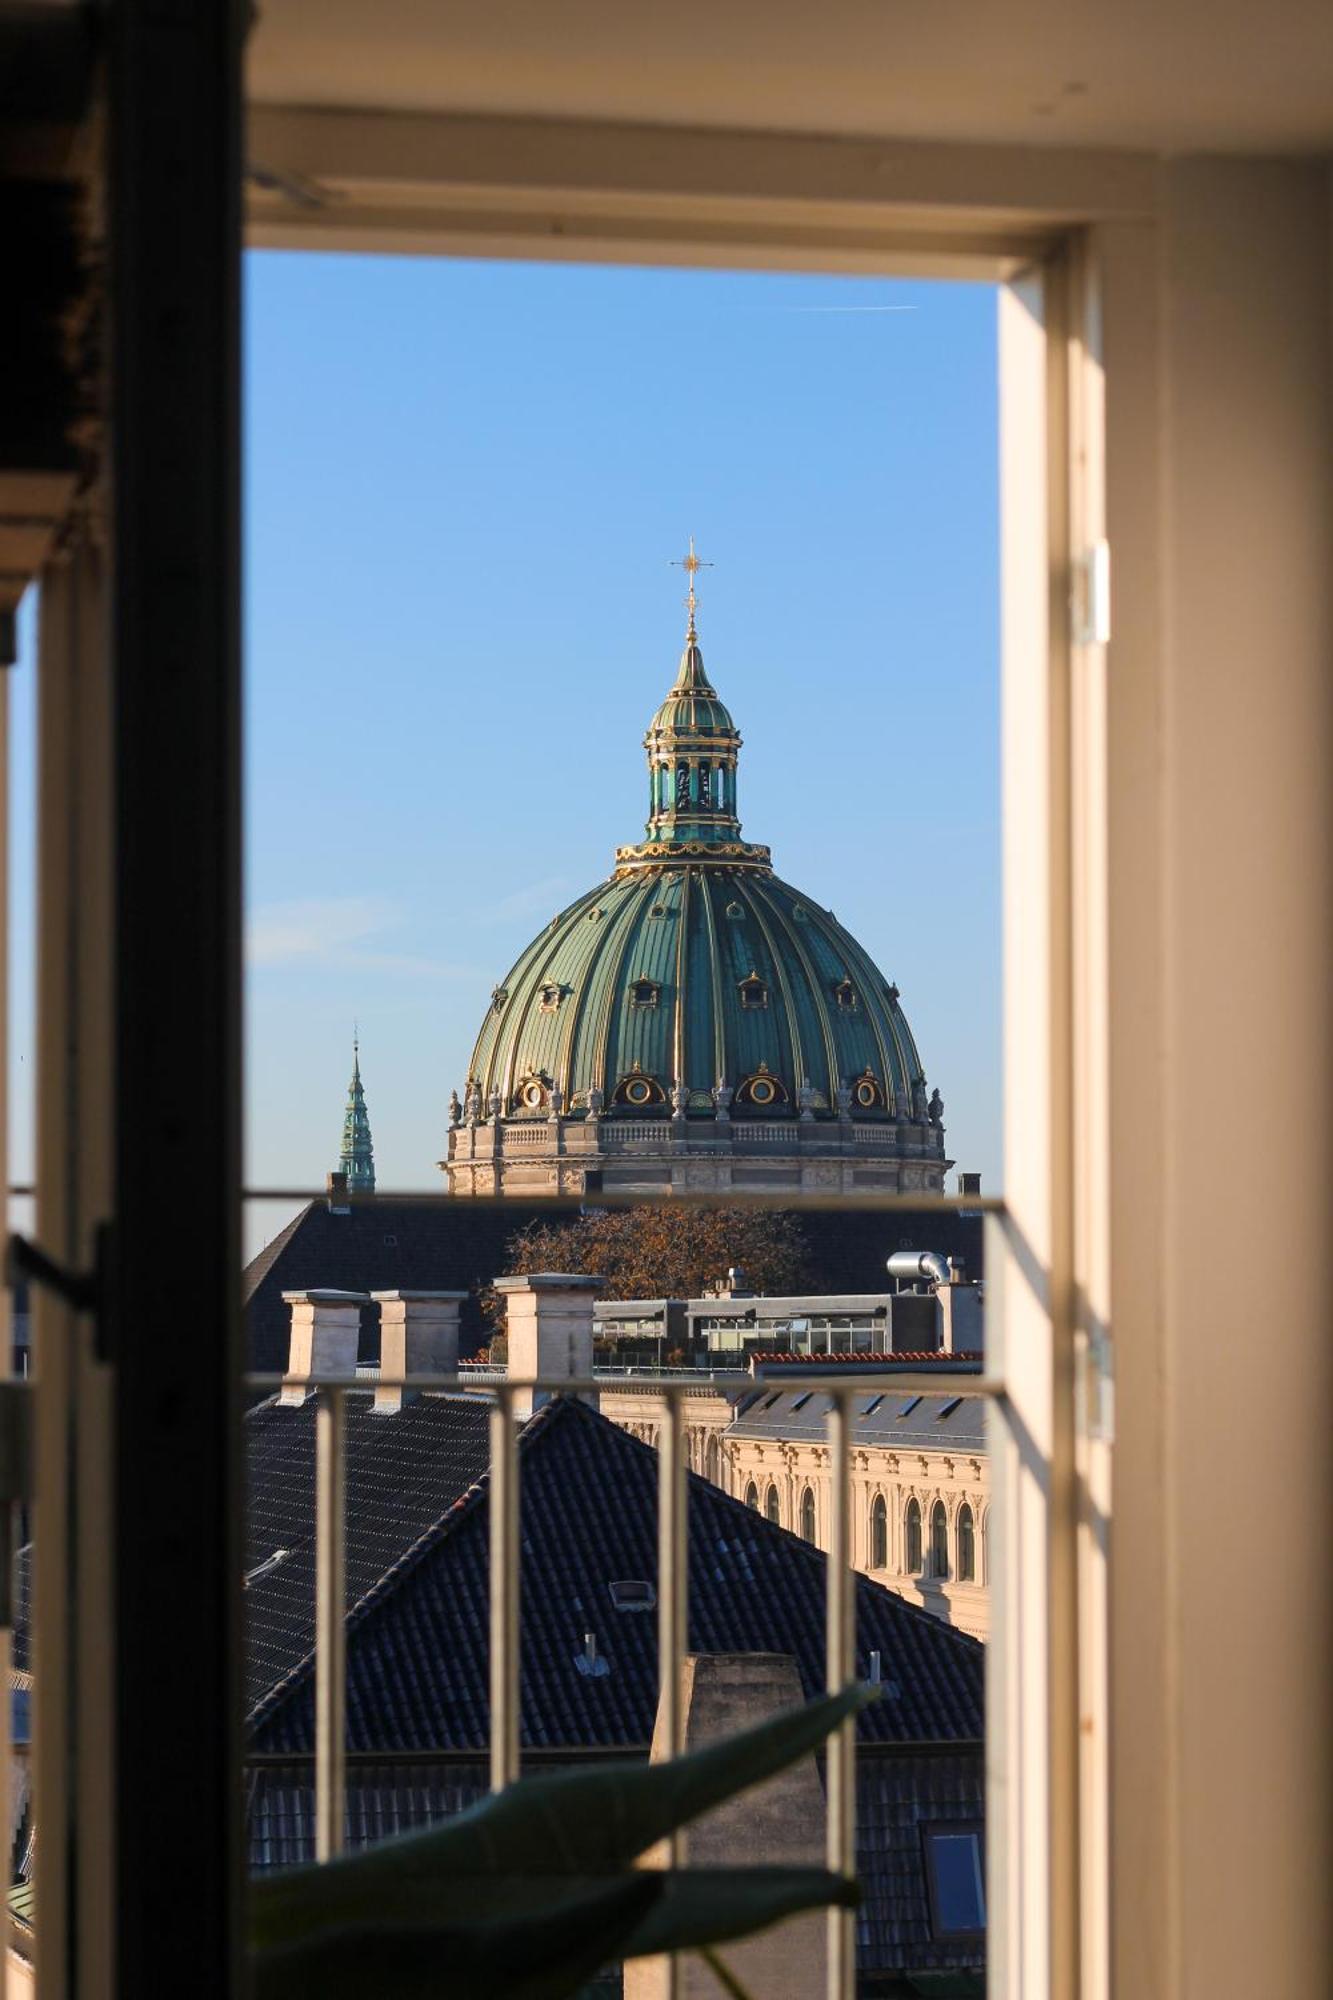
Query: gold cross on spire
[[691, 564]]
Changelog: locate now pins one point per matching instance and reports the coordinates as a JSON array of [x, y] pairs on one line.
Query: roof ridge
[[255, 1272]]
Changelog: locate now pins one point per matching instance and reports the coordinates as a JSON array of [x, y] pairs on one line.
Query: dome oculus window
[[845, 995], [639, 1092], [550, 997], [761, 1090], [867, 1094], [753, 991], [531, 1095], [736, 913], [644, 993]]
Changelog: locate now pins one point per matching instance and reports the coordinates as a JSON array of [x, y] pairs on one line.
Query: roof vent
[[590, 1662], [631, 1594]]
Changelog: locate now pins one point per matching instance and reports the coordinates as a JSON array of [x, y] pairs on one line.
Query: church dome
[[694, 1007]]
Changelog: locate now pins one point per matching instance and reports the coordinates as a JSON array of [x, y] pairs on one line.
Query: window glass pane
[[960, 1895]]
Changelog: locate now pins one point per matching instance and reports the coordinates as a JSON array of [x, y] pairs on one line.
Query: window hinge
[[1096, 1379], [1090, 597], [82, 1291]]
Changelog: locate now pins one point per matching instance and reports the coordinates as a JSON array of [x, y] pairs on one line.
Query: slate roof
[[404, 1472], [459, 1245], [883, 1417], [417, 1638], [379, 1246]]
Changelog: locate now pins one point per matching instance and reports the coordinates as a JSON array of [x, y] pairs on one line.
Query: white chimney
[[326, 1331], [548, 1322], [962, 1326], [418, 1336]]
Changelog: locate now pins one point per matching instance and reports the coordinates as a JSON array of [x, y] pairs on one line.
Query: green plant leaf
[[590, 1822], [511, 1956], [549, 1945], [703, 1906]]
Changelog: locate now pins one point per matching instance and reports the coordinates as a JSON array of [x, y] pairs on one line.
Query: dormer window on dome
[[531, 1095], [845, 995], [867, 1092], [550, 997], [762, 1092], [753, 991], [644, 993], [499, 994], [639, 1092]]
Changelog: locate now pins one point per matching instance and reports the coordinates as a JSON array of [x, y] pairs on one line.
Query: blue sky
[[465, 483]]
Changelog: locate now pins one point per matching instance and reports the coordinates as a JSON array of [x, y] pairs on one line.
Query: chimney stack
[[336, 1190], [548, 1321], [418, 1336], [326, 1332]]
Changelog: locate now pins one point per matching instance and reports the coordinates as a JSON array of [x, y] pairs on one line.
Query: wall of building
[[793, 1466]]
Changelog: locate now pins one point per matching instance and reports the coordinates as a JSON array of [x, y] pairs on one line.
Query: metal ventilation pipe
[[916, 1267]]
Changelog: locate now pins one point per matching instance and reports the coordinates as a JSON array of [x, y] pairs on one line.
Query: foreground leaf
[[545, 1954], [547, 1957], [703, 1906], [591, 1822]]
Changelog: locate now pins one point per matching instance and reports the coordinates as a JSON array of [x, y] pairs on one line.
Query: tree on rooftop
[[661, 1250]]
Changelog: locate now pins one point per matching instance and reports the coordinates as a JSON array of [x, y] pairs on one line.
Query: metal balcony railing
[[840, 1385]]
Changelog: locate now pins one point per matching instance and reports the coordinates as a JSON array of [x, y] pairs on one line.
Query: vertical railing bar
[[840, 1654], [330, 1625], [672, 1603], [504, 1574]]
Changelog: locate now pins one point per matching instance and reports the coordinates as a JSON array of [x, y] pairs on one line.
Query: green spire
[[357, 1159]]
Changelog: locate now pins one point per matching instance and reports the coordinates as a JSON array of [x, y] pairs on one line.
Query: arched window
[[967, 1546], [939, 1540], [808, 1515], [713, 1459], [771, 1504], [912, 1563], [879, 1533], [752, 1496]]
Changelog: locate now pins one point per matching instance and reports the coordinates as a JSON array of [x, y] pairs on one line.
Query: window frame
[[942, 211]]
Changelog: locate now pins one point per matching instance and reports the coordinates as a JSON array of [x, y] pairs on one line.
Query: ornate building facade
[[920, 1485], [694, 1022]]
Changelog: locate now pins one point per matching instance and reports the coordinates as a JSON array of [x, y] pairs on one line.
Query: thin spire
[[691, 564], [357, 1159]]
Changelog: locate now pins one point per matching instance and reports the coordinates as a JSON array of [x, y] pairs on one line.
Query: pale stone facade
[[574, 1155], [783, 1470]]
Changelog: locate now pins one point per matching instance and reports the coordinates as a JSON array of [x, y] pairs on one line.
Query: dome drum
[[694, 1022]]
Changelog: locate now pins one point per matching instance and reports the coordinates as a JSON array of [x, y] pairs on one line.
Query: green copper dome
[[695, 984]]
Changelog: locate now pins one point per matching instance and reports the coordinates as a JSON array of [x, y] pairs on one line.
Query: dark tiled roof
[[460, 1245], [378, 1246], [417, 1642], [883, 1417], [897, 1796], [404, 1472]]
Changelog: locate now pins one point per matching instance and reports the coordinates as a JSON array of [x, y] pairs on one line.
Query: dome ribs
[[761, 893]]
